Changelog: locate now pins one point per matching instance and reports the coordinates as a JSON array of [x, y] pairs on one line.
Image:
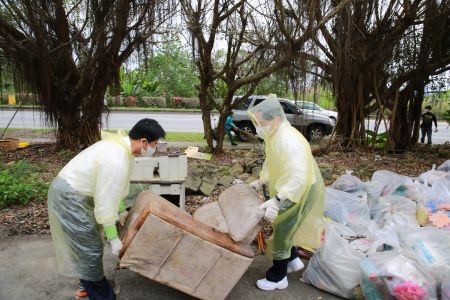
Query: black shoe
[[233, 144]]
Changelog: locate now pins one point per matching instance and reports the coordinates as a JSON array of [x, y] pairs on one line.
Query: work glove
[[436, 130], [116, 246], [123, 218], [257, 185], [113, 238], [272, 207]]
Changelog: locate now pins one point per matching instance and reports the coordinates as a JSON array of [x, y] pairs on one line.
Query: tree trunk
[[404, 129], [115, 88], [206, 115]]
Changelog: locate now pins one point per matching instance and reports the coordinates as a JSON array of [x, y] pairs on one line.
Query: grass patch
[[41, 130], [172, 136], [184, 136], [20, 184]]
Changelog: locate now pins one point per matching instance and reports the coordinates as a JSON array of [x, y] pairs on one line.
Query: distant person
[[427, 123], [229, 125]]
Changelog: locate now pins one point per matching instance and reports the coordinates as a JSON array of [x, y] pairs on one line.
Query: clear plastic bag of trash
[[348, 183], [391, 275], [335, 266], [417, 192], [431, 247], [388, 237], [345, 208], [393, 204], [432, 176], [445, 166], [373, 190], [391, 181], [445, 288]]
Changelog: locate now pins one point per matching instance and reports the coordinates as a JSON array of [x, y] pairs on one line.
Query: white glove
[[436, 130], [271, 207], [257, 185], [123, 218], [116, 246]]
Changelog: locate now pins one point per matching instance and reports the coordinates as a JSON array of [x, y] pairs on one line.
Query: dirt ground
[[32, 218]]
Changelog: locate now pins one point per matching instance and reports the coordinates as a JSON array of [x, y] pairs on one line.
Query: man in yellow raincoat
[[296, 189], [84, 201]]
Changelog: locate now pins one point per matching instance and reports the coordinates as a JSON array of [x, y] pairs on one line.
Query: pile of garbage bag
[[388, 238]]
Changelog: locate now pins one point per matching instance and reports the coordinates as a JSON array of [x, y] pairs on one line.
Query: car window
[[242, 105], [258, 101], [288, 108], [309, 106], [317, 107]]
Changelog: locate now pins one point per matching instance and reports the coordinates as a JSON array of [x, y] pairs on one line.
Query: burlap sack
[[239, 204]]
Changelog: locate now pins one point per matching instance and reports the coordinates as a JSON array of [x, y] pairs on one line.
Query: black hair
[[148, 129], [428, 107]]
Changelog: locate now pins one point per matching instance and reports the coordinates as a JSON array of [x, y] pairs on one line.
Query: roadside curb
[[240, 146]]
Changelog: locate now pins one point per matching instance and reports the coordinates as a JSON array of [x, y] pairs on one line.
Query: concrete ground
[[28, 271]]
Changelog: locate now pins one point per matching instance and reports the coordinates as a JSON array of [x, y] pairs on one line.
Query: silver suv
[[314, 127]]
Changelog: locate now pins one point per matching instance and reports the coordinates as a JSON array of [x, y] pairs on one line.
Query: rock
[[250, 164], [250, 179], [256, 171], [225, 180], [236, 169], [326, 169], [193, 181], [243, 176], [208, 185]]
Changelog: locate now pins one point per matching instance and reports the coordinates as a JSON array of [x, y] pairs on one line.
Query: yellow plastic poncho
[[292, 173], [84, 196]]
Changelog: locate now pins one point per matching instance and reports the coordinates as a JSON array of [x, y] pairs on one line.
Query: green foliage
[[20, 184], [446, 114], [378, 141], [173, 70]]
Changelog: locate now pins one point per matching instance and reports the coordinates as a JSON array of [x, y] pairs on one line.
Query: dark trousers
[[279, 269], [230, 136], [99, 290], [426, 131]]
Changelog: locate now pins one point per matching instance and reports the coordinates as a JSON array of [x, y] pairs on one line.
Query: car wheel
[[245, 127], [316, 132]]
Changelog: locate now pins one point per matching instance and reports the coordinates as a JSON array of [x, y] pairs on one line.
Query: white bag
[[348, 183], [387, 275], [345, 207], [335, 266], [431, 247], [390, 180]]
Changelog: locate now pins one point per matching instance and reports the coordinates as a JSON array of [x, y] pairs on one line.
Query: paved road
[[171, 121], [28, 271]]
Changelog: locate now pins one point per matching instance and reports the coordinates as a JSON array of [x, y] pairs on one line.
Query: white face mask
[[149, 152]]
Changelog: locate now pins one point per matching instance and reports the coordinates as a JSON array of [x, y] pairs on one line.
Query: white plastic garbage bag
[[373, 190], [390, 180], [445, 288], [335, 266], [390, 275], [393, 205], [417, 192], [432, 176], [444, 167], [431, 247], [388, 238], [345, 208], [348, 183]]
